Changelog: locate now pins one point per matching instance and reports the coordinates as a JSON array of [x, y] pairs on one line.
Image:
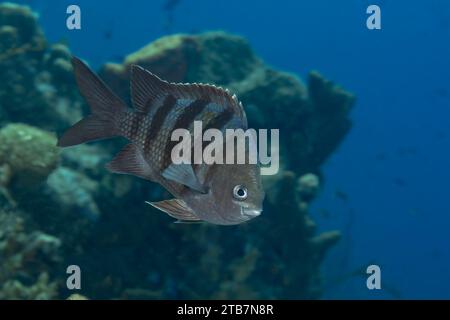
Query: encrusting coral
[[30, 153], [26, 257], [75, 212], [35, 77]]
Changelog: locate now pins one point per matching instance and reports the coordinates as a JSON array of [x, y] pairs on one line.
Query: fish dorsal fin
[[176, 208], [131, 161], [146, 88], [149, 90], [184, 174]]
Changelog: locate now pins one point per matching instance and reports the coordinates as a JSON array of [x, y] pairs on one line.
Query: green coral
[[158, 47], [26, 257], [42, 289], [37, 84], [30, 153], [21, 18], [308, 186], [74, 191]]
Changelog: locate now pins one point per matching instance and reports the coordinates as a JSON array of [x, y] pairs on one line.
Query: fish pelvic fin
[[184, 174], [106, 109], [177, 209]]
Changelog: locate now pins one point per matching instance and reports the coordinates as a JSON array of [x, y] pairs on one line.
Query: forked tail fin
[[106, 109]]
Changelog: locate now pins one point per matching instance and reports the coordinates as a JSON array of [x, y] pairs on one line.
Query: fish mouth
[[250, 213]]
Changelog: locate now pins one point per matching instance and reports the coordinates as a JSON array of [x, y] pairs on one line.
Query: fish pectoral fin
[[184, 174], [130, 161], [176, 208]]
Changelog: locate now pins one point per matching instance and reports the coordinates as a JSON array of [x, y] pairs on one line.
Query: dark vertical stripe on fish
[[158, 120], [183, 122], [148, 106], [218, 122]]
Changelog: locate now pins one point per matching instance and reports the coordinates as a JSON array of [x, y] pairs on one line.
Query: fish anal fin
[[177, 209], [184, 174], [130, 161]]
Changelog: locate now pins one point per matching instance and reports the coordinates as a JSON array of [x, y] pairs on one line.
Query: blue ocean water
[[387, 186]]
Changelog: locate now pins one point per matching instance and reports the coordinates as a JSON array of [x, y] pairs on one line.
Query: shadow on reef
[[59, 208]]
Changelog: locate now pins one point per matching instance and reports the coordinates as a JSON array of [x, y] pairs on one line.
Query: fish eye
[[240, 192]]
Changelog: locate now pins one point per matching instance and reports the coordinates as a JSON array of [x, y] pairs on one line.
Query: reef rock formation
[[75, 212], [30, 154], [26, 257], [37, 86]]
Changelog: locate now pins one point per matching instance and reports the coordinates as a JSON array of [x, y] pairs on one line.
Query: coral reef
[[58, 209], [26, 257], [30, 154], [77, 296], [35, 77]]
